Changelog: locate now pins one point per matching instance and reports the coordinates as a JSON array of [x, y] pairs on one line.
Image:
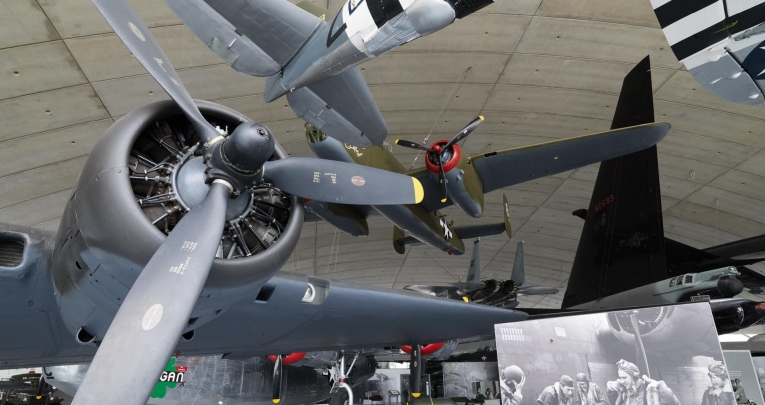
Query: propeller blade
[[148, 325], [340, 182], [136, 36], [442, 179], [415, 371], [465, 132], [277, 387], [410, 144]]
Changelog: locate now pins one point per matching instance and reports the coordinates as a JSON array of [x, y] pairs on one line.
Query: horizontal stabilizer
[[476, 231], [529, 289], [342, 107]]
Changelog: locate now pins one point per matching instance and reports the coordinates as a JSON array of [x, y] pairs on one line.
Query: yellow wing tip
[[465, 299], [396, 141], [419, 193], [38, 397], [276, 401], [481, 117], [443, 200], [416, 394]]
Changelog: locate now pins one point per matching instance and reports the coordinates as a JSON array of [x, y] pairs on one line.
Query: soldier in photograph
[[721, 391], [511, 383], [589, 393], [560, 393], [632, 389]]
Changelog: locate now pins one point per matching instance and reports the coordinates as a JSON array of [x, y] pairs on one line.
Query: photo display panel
[[743, 377], [597, 359]]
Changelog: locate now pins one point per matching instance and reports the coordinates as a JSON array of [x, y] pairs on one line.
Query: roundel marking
[[137, 32], [358, 181], [152, 317]]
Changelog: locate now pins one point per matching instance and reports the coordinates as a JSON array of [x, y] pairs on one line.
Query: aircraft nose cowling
[[729, 286]]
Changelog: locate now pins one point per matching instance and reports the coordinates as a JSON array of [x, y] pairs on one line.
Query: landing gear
[[341, 391]]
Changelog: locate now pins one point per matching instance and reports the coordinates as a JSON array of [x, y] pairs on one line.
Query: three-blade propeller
[[437, 151], [156, 310]]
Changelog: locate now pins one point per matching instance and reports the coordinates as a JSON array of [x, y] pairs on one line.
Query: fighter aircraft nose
[[729, 286]]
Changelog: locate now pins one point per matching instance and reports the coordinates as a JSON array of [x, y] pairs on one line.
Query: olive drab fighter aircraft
[[171, 240], [451, 176]]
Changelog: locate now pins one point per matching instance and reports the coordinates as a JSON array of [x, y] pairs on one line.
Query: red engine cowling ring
[[451, 164], [291, 358], [425, 351]]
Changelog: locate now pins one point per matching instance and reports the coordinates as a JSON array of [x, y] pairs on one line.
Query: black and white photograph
[[743, 377], [472, 380], [599, 359]]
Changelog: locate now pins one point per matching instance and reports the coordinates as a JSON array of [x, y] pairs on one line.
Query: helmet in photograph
[[512, 373]]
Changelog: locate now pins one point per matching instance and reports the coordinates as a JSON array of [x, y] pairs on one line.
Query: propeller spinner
[[441, 152]]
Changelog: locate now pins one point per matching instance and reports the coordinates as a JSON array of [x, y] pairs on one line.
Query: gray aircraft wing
[[278, 318], [341, 104], [507, 167], [351, 316], [254, 37]]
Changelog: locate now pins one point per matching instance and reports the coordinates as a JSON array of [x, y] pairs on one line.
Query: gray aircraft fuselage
[[670, 291], [362, 30]]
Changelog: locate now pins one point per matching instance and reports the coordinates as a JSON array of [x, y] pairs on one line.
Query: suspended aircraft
[[720, 42], [624, 259], [503, 294], [171, 240], [312, 57], [449, 177]]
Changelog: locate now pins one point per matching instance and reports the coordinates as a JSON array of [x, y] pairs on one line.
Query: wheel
[[339, 398]]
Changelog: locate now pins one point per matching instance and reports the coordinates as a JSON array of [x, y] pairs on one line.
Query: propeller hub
[[450, 156], [248, 147], [191, 189]]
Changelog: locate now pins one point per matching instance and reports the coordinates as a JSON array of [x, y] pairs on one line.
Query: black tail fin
[[622, 243]]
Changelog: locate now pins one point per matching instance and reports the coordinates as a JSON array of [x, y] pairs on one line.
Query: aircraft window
[[688, 279], [673, 282], [316, 291]]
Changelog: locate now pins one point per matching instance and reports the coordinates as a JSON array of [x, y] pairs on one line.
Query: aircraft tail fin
[[474, 271], [622, 242], [519, 273]]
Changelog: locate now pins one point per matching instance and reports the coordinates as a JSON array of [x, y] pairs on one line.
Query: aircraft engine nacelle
[[463, 185], [508, 286], [656, 330], [739, 316], [138, 182], [490, 286]]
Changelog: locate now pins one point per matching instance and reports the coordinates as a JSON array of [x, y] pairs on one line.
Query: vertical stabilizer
[[474, 271], [519, 274], [622, 242]]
